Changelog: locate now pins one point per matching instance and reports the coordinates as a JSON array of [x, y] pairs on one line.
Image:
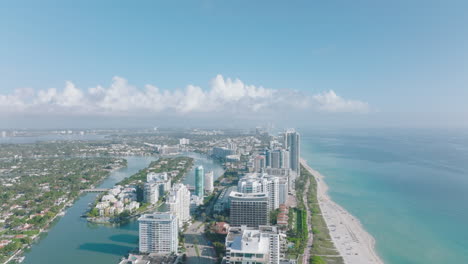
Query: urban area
[[262, 207]]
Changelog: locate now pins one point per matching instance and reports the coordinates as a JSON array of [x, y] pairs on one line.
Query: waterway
[[73, 240]]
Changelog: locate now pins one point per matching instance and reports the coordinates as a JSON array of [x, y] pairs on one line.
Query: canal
[[73, 240]]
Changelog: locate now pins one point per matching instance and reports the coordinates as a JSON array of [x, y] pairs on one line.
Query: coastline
[[352, 241]]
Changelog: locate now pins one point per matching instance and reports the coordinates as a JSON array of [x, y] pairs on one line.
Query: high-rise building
[[292, 144], [158, 233], [284, 159], [151, 192], [283, 190], [250, 209], [178, 202], [199, 181], [161, 179], [259, 163], [277, 158], [209, 182], [261, 183], [253, 245]]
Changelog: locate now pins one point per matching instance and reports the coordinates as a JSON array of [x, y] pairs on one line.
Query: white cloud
[[331, 102], [122, 99]]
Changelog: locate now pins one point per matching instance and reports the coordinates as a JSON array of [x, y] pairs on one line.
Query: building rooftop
[[156, 217]]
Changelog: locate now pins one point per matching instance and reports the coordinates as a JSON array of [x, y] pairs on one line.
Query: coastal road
[[310, 240], [199, 250]]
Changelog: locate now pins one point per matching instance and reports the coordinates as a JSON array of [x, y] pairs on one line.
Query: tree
[[93, 213], [317, 260]]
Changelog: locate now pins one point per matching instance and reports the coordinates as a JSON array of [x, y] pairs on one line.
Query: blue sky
[[399, 58]]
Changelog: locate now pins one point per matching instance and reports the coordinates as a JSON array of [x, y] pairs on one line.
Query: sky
[[142, 63]]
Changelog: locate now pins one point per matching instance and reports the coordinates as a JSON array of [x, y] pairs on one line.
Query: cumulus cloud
[[224, 95], [331, 102]]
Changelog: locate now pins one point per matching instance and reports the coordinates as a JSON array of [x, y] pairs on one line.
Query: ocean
[[409, 188]]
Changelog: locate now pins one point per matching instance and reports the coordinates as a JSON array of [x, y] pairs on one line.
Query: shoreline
[[69, 203], [352, 241]]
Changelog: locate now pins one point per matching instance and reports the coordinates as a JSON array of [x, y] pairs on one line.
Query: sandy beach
[[355, 245]]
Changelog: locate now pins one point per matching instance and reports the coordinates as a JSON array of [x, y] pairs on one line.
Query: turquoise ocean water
[[408, 188]]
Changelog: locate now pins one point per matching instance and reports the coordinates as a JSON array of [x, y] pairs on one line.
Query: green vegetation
[[317, 260], [34, 191], [298, 234], [274, 216], [323, 248], [162, 165], [175, 166]]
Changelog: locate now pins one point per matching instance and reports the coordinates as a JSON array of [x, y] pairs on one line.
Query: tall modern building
[[209, 182], [259, 163], [277, 158], [250, 209], [253, 245], [262, 183], [158, 233], [178, 202], [151, 192], [199, 181], [292, 144]]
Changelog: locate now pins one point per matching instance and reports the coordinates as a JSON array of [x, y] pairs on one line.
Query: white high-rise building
[[261, 183], [178, 203], [259, 163], [161, 179], [253, 245], [158, 233], [151, 192], [283, 190], [209, 182]]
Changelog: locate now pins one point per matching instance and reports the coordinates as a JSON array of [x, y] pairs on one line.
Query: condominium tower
[[178, 202], [250, 209], [158, 233], [199, 181], [292, 143]]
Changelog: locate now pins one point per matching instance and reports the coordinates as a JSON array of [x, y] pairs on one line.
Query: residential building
[[161, 179], [209, 182], [151, 192], [261, 182], [259, 163], [223, 202], [250, 209], [158, 233], [292, 143], [199, 181], [178, 202], [253, 245], [283, 190]]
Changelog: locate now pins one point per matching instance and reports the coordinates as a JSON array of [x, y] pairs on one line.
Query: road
[[310, 240], [194, 239]]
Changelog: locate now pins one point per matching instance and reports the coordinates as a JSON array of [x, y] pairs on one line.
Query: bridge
[[95, 190]]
